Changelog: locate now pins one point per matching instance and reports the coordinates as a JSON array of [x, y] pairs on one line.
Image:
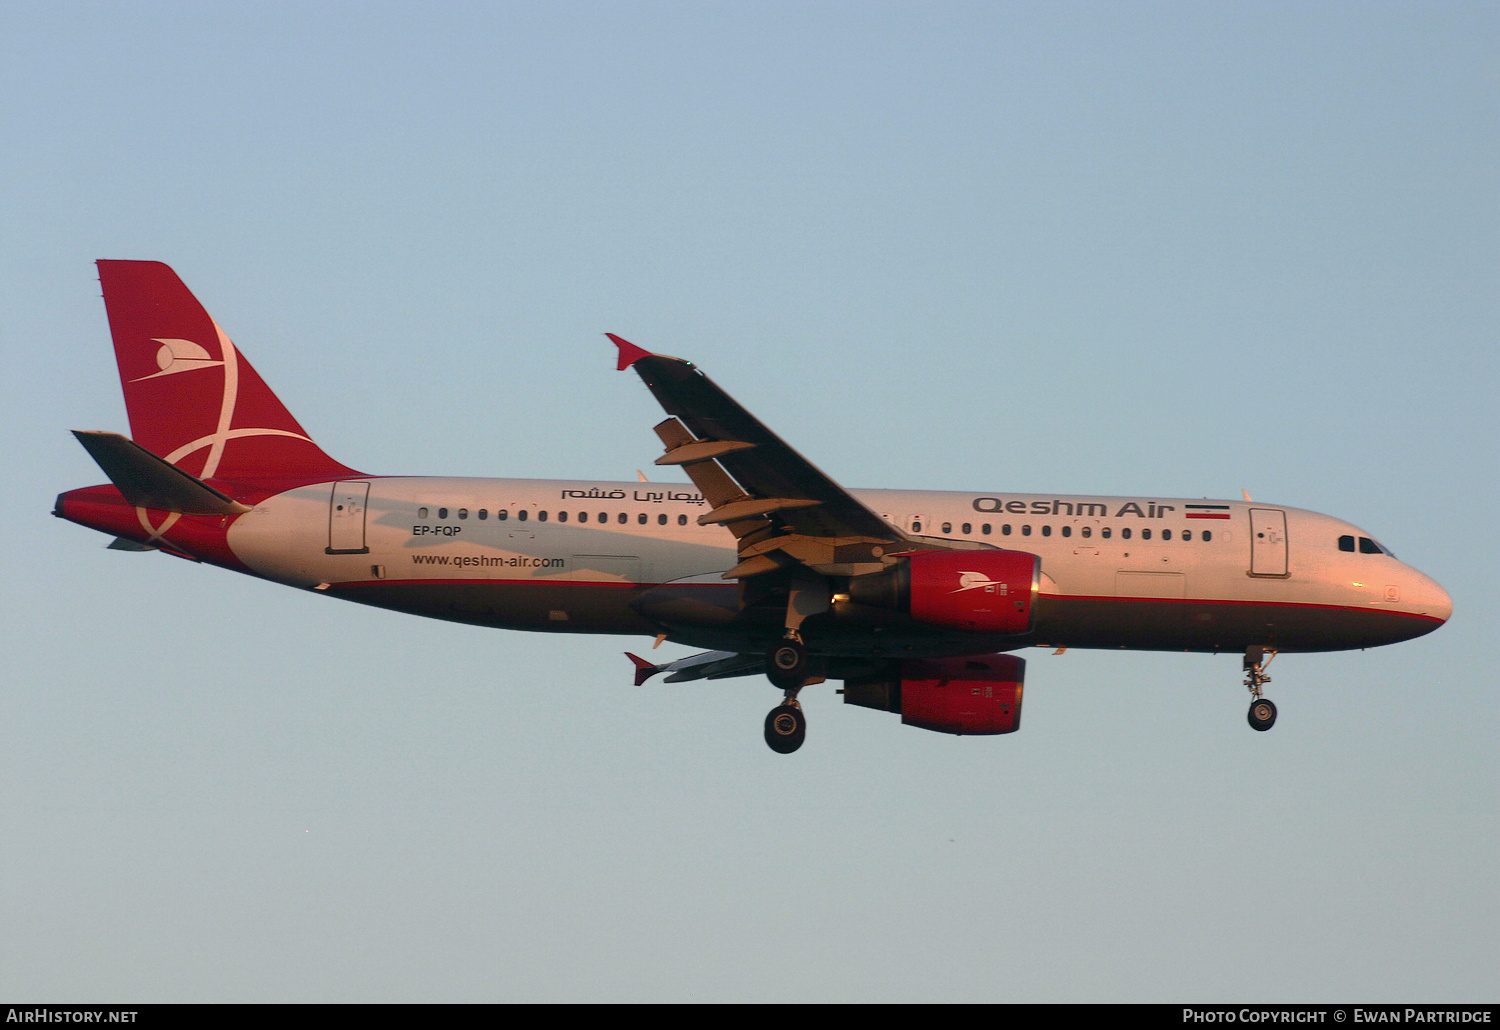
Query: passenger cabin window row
[[524, 514], [1085, 532]]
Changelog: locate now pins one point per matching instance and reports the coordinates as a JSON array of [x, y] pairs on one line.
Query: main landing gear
[[787, 665], [1262, 715], [786, 726], [787, 669]]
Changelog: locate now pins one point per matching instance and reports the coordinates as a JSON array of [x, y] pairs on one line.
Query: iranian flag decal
[[1207, 511]]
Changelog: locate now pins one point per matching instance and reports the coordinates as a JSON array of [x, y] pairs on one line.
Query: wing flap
[[736, 511], [701, 450]]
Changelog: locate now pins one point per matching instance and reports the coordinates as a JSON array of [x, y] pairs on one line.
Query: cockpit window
[[1365, 545]]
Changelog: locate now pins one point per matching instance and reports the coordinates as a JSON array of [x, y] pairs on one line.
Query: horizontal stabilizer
[[149, 482]]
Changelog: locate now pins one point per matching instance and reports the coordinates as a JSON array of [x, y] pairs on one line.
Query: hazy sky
[[1166, 249]]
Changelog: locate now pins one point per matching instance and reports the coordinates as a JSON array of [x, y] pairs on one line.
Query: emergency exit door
[[1267, 542], [346, 518]]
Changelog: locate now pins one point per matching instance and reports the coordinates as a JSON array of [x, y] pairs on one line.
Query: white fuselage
[[583, 540]]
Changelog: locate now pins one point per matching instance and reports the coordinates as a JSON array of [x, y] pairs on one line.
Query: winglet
[[644, 670], [629, 352]]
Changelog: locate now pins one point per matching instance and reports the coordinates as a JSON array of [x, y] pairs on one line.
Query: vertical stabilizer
[[191, 396]]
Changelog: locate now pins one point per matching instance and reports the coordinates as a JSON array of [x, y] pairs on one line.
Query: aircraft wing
[[782, 509], [711, 665]]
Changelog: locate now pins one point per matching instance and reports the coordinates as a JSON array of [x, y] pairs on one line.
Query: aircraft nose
[[1431, 600]]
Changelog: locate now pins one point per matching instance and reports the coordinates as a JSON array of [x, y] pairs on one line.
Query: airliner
[[914, 600]]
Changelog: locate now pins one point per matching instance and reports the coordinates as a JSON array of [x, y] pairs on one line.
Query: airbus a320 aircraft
[[913, 599]]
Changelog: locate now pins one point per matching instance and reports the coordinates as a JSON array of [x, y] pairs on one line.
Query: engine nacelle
[[982, 591], [975, 695]]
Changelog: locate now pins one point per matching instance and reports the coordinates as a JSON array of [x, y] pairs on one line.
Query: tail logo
[[179, 356]]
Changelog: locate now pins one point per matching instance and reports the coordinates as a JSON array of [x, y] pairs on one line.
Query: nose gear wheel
[[1262, 715]]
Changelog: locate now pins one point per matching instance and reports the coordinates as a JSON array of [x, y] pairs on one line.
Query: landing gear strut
[[1262, 715]]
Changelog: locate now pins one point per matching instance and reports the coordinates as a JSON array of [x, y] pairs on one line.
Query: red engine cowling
[[981, 591], [975, 695]]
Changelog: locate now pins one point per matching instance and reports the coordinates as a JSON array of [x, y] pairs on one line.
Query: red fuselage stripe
[[1302, 605]]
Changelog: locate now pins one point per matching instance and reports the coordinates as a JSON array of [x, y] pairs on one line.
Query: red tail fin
[[192, 398]]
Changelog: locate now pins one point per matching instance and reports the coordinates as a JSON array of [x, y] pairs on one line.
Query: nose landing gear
[[1262, 715]]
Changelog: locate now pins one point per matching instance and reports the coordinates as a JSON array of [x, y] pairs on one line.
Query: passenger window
[[985, 529], [1025, 530], [947, 527], [682, 520], [916, 527], [483, 514], [968, 529], [1145, 534], [1125, 533], [661, 520], [1187, 534], [583, 516], [421, 513], [442, 513], [523, 514], [1086, 532], [623, 518], [1106, 532], [562, 516], [1208, 535], [641, 518], [1166, 534], [1368, 546], [541, 516], [1067, 531], [1005, 529], [463, 513], [1346, 543], [1046, 531], [603, 516], [501, 515]]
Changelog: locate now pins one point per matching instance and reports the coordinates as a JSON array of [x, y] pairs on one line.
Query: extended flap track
[[763, 545]]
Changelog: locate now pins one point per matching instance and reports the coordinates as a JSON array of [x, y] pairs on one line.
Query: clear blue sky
[[1170, 249]]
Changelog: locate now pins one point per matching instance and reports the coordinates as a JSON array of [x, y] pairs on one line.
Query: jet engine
[[981, 591], [975, 695]]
